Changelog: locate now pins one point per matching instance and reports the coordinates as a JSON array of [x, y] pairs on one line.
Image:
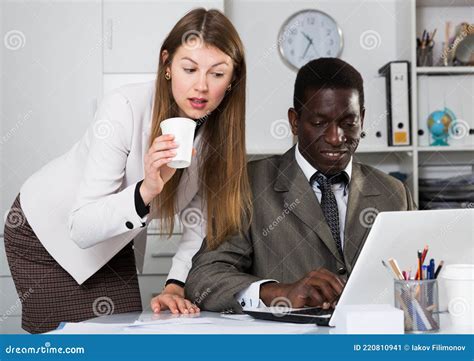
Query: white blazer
[[81, 205]]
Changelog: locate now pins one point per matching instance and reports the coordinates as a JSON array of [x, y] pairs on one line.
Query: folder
[[397, 82]]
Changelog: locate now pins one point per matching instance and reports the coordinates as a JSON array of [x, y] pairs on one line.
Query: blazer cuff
[[108, 217], [178, 272], [140, 207], [174, 282], [134, 220]]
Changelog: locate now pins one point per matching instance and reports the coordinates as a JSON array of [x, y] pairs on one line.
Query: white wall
[[370, 41], [52, 76]]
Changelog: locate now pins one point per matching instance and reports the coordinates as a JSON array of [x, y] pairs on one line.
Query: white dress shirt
[[250, 296]]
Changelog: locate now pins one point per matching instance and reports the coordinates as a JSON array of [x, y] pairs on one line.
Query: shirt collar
[[309, 170]]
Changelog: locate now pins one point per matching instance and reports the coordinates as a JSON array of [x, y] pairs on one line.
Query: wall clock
[[308, 35]]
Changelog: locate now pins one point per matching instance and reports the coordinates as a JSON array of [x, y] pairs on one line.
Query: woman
[[77, 225]]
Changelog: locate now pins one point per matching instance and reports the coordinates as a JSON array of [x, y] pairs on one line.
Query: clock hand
[[307, 37], [315, 50], [306, 50]]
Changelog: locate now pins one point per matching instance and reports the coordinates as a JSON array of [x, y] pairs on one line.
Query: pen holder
[[419, 302], [424, 56]]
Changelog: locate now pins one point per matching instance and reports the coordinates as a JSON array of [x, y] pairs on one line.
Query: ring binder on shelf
[[397, 80]]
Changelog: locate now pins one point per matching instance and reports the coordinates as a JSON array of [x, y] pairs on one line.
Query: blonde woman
[[77, 225]]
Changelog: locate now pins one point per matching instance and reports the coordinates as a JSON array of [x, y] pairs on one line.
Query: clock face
[[308, 35]]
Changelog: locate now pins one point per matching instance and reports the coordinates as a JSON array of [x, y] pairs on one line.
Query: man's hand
[[317, 289], [172, 298]]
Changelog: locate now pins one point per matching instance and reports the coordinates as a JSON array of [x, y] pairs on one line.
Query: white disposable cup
[[183, 131], [459, 283]]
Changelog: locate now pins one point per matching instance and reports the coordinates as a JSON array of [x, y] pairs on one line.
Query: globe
[[439, 123]]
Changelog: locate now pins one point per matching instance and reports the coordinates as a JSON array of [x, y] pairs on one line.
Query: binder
[[397, 82]]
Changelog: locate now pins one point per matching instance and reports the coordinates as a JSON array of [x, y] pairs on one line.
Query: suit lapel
[[293, 183], [361, 210]]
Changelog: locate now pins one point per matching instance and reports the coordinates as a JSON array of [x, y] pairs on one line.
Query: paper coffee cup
[[183, 131], [459, 284]]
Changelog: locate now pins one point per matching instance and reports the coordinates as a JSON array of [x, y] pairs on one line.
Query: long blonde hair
[[223, 178]]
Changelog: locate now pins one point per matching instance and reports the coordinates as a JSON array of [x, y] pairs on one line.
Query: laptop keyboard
[[313, 311]]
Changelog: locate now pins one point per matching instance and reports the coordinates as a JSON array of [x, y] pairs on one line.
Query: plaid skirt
[[49, 295]]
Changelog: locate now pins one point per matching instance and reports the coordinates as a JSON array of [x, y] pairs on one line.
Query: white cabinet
[[158, 256], [51, 80], [135, 30]]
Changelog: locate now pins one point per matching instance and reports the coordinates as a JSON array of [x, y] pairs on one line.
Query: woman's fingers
[[192, 308], [174, 303], [155, 304], [181, 304], [163, 142], [160, 155], [163, 138], [158, 147], [157, 164], [168, 302]]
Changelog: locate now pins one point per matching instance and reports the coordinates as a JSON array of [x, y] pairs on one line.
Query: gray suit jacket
[[288, 236]]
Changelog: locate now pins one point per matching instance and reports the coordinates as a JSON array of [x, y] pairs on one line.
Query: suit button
[[129, 225], [342, 271]]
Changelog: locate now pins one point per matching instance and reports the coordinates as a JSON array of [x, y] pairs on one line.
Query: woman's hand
[[157, 173], [172, 298]]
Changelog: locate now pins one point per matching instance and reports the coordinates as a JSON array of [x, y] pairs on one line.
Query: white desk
[[223, 325]]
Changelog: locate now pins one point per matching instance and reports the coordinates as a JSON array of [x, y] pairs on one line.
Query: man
[[311, 205]]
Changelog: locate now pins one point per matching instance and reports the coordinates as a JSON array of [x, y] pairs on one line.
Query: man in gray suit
[[313, 206]]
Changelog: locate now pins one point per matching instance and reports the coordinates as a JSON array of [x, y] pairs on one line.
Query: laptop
[[448, 233]]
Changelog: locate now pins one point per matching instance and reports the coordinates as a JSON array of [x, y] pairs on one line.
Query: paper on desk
[[90, 328], [237, 317], [212, 325], [232, 329], [147, 320]]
